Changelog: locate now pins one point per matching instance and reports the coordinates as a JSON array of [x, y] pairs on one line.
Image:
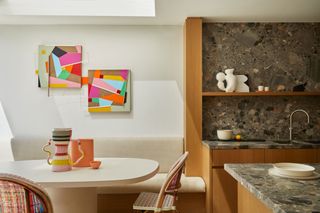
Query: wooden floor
[[122, 203]]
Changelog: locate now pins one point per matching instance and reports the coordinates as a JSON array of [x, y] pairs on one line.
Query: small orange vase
[[82, 152]]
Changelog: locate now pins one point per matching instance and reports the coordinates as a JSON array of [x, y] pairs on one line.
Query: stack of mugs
[[61, 139]]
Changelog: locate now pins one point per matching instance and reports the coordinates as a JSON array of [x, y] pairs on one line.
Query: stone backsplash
[[277, 54], [269, 54], [261, 117]]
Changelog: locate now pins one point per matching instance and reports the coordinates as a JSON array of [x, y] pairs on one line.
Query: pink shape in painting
[[54, 80], [101, 84], [70, 58], [124, 74], [94, 92]]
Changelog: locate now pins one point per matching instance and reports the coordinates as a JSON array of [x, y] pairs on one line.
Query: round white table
[[75, 190]]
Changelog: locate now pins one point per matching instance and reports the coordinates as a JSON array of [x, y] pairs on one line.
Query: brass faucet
[[291, 115]]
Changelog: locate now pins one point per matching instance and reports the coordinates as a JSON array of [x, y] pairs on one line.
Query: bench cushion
[[165, 150], [28, 148], [188, 185]]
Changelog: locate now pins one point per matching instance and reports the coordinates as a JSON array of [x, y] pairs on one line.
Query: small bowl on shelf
[[224, 134], [95, 164]]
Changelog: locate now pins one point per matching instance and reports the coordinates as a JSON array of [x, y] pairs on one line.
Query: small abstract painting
[[60, 66], [109, 91]]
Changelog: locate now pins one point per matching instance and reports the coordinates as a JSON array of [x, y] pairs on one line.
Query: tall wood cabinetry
[[193, 94]]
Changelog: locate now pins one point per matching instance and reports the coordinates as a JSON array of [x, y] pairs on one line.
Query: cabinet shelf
[[222, 94]]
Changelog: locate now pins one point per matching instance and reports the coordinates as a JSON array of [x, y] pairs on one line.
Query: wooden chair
[[20, 195], [165, 200]]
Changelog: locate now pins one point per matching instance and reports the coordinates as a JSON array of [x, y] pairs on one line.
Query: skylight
[[113, 8]]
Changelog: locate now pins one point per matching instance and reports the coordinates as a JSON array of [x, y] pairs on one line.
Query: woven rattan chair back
[[16, 185]]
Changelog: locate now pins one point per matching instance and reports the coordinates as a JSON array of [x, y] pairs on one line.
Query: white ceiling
[[116, 8], [174, 12]]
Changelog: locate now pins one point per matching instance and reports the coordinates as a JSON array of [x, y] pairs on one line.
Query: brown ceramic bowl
[[95, 164]]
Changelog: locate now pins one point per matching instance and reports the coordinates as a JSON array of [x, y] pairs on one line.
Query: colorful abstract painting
[[60, 66], [109, 91]]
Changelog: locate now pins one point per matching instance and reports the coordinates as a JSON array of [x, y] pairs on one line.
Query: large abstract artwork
[[109, 91], [60, 66]]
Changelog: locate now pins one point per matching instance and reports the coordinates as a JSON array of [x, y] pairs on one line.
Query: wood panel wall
[[193, 95]]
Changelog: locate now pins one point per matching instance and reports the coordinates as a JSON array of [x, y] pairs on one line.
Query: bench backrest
[[165, 150]]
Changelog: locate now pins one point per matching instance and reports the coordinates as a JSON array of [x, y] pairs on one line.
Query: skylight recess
[[112, 8]]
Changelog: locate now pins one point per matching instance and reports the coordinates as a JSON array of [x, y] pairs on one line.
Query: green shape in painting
[[95, 100], [124, 88], [64, 75]]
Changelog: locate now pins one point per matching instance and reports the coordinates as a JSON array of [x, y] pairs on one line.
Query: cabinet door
[[248, 203], [224, 192], [220, 157], [291, 155]]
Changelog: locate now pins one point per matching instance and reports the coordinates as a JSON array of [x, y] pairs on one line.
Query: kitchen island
[[259, 191], [222, 188]]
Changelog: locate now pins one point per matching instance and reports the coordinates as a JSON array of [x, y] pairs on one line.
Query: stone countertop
[[216, 144], [282, 195]]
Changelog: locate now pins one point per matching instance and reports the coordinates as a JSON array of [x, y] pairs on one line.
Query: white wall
[[153, 53]]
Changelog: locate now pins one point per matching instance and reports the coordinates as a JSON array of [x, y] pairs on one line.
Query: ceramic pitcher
[[61, 160]]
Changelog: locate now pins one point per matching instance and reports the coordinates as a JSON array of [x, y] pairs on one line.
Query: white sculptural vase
[[233, 82]]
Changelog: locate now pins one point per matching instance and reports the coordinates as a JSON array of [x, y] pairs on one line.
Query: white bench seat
[[188, 185]]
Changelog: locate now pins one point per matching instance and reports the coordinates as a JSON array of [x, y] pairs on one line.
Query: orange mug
[[82, 152]]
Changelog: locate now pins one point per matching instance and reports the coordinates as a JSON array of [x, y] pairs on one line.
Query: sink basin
[[251, 141], [312, 141], [244, 140], [282, 141], [297, 142]]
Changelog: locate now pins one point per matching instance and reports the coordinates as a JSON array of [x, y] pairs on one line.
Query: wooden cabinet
[[224, 192], [224, 187], [248, 203], [220, 157], [291, 155]]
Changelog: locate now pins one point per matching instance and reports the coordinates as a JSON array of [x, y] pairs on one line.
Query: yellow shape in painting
[[99, 109], [58, 85], [43, 52], [37, 72], [113, 77]]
